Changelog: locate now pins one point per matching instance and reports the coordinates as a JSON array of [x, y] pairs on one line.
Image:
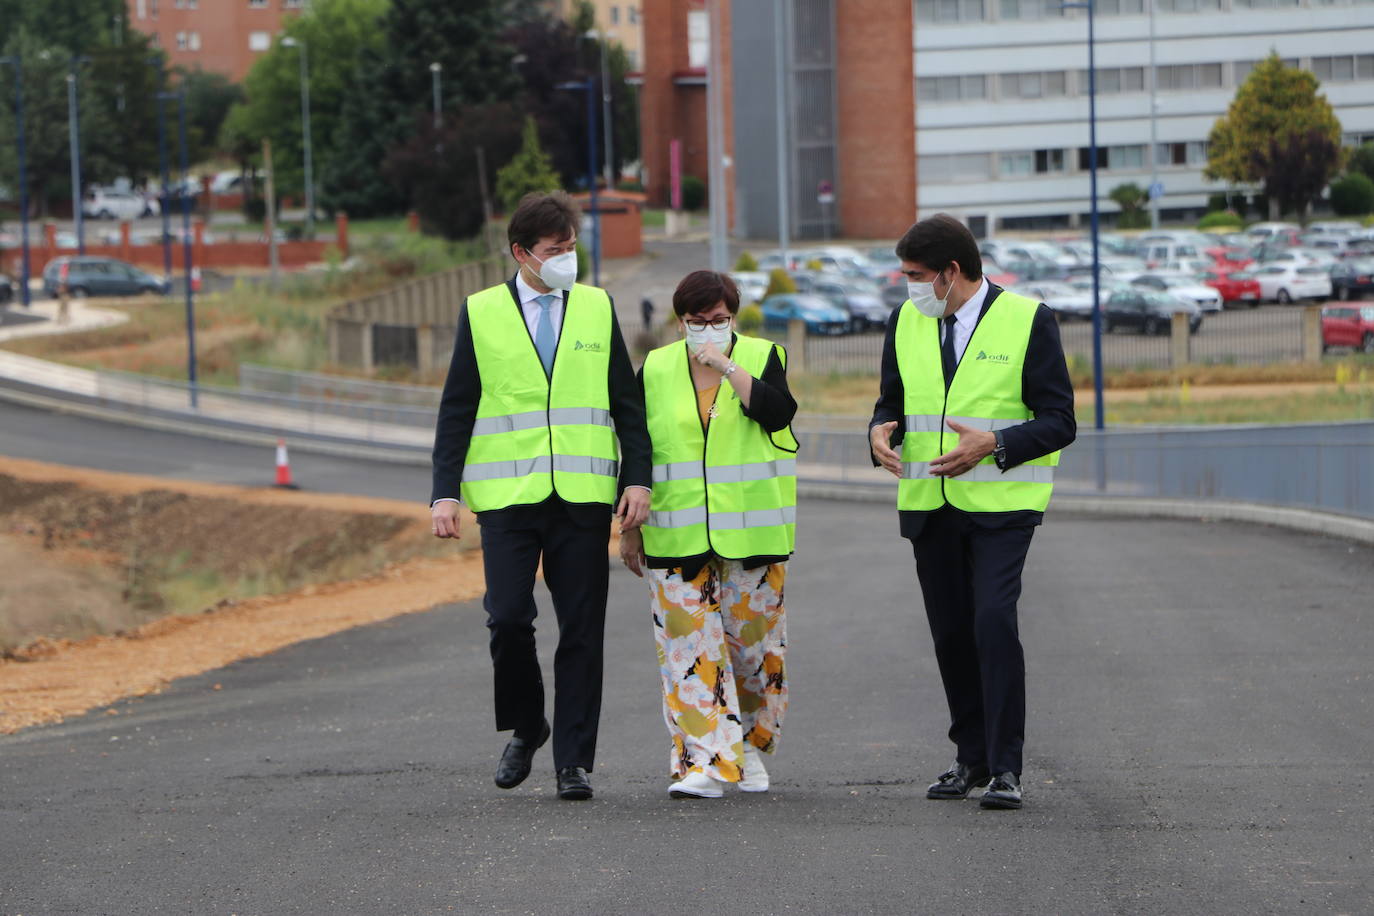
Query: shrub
[[746, 262], [779, 282], [1352, 195], [749, 319], [1221, 219], [693, 193], [630, 184]]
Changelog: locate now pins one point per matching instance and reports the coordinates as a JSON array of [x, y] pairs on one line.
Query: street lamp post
[[74, 129], [435, 69], [603, 40], [780, 113], [1098, 422], [186, 251], [589, 86], [290, 42], [165, 199], [1154, 146], [24, 293]]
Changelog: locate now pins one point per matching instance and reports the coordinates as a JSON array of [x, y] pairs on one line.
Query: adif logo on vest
[[593, 347], [993, 357]]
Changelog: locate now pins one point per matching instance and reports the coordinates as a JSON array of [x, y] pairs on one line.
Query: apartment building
[[219, 36], [1002, 130], [621, 22]]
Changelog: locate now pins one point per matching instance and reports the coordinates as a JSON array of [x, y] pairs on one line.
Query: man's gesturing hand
[[974, 445], [879, 438], [633, 509], [632, 550], [444, 515]]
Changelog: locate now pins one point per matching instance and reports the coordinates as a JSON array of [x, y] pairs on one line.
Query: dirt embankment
[[111, 585]]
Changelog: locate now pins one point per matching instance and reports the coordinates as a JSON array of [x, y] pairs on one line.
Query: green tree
[[124, 80], [333, 33], [1362, 160], [1277, 123], [209, 96], [530, 170], [1352, 195], [74, 26], [1131, 198]]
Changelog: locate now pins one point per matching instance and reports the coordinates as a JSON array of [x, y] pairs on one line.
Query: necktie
[[545, 341], [947, 350]]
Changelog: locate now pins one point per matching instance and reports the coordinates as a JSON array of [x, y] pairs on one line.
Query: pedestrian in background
[[539, 393], [64, 293], [721, 528], [976, 393], [646, 308]]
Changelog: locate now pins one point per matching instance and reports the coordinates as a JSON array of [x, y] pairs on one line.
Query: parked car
[[1239, 286], [1263, 232], [1334, 227], [1286, 281], [1185, 288], [112, 203], [860, 300], [894, 294], [820, 316], [6, 289], [1352, 279], [1068, 299], [1146, 310], [752, 285], [1348, 326], [91, 276], [1157, 253]]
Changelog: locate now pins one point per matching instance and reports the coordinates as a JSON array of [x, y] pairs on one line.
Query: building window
[[1031, 9], [632, 14], [1014, 165], [1265, 4], [1051, 84], [1187, 6], [1192, 153], [1243, 67], [1114, 80], [698, 38], [1344, 68], [152, 7], [1049, 160], [1119, 7], [194, 41], [259, 41], [955, 167], [951, 88], [946, 11], [293, 4], [257, 4], [1131, 156], [615, 15], [1031, 162], [181, 41], [141, 9], [1189, 76]]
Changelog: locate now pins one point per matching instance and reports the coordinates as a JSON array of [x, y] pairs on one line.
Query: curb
[[1308, 521]]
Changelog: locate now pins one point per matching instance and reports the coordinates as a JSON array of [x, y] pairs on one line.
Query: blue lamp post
[[165, 199], [186, 253], [589, 86], [23, 176]]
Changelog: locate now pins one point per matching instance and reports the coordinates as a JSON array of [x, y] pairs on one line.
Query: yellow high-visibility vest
[[985, 393], [726, 486], [535, 434]]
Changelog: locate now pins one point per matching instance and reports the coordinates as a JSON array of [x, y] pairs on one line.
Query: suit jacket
[[1045, 390], [458, 412]]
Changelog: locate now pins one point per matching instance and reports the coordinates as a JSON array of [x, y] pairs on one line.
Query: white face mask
[[922, 296], [559, 271], [698, 339]]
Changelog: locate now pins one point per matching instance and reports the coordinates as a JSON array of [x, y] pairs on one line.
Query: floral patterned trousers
[[721, 640]]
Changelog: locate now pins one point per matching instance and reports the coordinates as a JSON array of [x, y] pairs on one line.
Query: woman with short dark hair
[[721, 528]]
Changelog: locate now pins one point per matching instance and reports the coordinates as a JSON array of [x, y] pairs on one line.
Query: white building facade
[[1002, 128]]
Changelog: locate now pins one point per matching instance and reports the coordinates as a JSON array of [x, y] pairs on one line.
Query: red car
[[1234, 286], [1230, 259], [1348, 326]]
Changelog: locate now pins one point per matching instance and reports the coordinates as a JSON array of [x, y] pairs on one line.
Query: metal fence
[[319, 386], [1250, 337], [1321, 466]]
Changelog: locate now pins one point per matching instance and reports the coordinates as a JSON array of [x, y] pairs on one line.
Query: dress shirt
[[966, 319], [531, 309]]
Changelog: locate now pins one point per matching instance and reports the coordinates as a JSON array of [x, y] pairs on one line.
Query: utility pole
[[74, 130], [715, 142], [780, 111], [186, 252], [271, 225]]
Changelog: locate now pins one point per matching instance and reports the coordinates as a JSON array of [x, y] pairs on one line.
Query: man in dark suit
[[976, 394], [539, 395]]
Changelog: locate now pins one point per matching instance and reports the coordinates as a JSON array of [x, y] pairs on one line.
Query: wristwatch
[[730, 368], [999, 451]]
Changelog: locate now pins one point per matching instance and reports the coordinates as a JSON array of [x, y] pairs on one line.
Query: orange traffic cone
[[195, 279], [283, 467]]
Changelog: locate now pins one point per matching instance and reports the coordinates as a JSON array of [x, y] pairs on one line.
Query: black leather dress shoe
[[1004, 792], [517, 757], [957, 780], [573, 784]]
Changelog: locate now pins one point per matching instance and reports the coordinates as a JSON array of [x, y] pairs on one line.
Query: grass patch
[[653, 218]]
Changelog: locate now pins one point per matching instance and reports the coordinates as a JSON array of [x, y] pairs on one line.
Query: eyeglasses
[[699, 324]]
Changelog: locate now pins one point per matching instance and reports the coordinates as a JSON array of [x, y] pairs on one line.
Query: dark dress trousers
[[969, 563], [572, 539]]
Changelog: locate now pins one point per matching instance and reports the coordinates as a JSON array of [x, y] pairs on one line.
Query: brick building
[[622, 23], [218, 36], [672, 94]]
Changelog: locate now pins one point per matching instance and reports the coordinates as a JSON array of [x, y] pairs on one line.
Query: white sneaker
[[755, 773], [696, 784]]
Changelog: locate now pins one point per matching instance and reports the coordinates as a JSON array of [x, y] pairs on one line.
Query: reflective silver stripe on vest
[[681, 518], [934, 423], [502, 470], [762, 470], [488, 426], [754, 518], [678, 470], [983, 473], [533, 419], [581, 464]]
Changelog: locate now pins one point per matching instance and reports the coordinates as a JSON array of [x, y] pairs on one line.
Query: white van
[[1263, 232]]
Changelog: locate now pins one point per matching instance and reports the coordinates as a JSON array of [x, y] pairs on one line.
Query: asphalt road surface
[[1198, 742]]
